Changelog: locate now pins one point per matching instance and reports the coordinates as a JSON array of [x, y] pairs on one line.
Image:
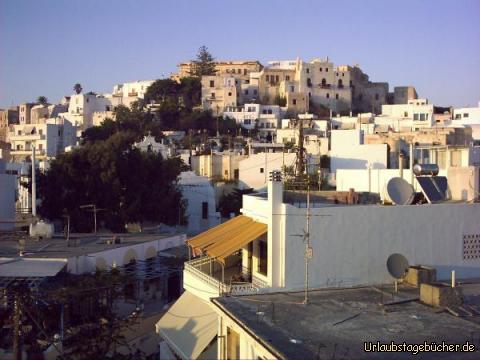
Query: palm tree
[[42, 100], [77, 88]]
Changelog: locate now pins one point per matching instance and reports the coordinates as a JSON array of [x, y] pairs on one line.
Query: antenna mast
[[308, 249], [300, 163]]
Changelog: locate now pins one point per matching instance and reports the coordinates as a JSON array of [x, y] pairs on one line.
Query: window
[[247, 121], [422, 117], [277, 78], [360, 97], [212, 83], [262, 257], [292, 88], [229, 94], [213, 95], [328, 96], [287, 78], [405, 114], [262, 170], [465, 115], [307, 70], [321, 69], [255, 92], [246, 92], [40, 147], [309, 82], [267, 78], [336, 96], [324, 82], [340, 83], [236, 174], [239, 71], [264, 111], [377, 96], [269, 111], [226, 173], [326, 69], [244, 71], [458, 116], [204, 210], [294, 102], [268, 125]]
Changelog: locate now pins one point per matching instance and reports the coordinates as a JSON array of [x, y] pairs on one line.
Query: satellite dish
[[397, 265], [400, 191]]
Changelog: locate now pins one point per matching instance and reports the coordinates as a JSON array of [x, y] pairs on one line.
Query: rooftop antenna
[[34, 185], [308, 249], [397, 266]]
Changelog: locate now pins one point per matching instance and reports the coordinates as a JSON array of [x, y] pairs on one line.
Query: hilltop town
[[239, 210]]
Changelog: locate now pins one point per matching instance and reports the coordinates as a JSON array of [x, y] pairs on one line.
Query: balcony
[[133, 94], [27, 137], [207, 278], [26, 152]]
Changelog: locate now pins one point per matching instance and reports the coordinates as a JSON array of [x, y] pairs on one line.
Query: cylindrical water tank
[[426, 169]]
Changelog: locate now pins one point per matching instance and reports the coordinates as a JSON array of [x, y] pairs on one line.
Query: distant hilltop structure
[[314, 86]]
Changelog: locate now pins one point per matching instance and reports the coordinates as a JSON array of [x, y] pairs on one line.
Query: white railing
[[191, 267]]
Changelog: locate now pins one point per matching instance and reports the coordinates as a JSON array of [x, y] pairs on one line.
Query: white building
[[82, 107], [7, 199], [469, 117], [135, 89], [49, 138], [149, 144], [200, 208], [254, 170], [417, 112], [251, 115], [263, 251], [348, 151]]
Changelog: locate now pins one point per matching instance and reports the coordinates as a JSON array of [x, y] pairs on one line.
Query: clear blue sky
[[48, 45]]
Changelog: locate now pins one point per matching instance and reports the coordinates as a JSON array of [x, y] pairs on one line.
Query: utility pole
[[300, 164], [308, 249], [34, 184]]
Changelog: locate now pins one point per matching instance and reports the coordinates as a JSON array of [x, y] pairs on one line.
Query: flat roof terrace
[[336, 323]]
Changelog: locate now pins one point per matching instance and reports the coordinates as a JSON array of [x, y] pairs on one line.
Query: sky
[[46, 46]]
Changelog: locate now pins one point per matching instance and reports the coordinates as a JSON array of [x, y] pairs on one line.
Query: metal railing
[[192, 267], [234, 288]]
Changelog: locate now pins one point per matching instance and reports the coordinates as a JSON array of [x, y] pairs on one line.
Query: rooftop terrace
[[336, 323]]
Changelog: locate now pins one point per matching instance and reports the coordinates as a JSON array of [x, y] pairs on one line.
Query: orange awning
[[223, 240], [218, 232]]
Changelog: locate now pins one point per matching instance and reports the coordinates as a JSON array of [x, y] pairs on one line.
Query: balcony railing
[[194, 267]]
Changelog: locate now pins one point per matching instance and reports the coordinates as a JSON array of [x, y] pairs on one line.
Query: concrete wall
[[7, 201], [196, 190], [254, 170], [352, 244], [118, 256]]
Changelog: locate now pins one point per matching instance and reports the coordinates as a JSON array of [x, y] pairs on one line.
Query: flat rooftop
[[336, 323], [80, 244]]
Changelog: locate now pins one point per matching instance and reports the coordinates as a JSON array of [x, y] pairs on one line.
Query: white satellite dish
[[397, 265], [400, 191]]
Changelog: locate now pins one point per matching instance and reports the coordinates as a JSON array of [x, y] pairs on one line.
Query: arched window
[[340, 83], [324, 82]]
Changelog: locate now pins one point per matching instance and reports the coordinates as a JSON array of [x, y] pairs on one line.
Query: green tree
[[232, 202], [130, 185], [204, 64], [42, 100]]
